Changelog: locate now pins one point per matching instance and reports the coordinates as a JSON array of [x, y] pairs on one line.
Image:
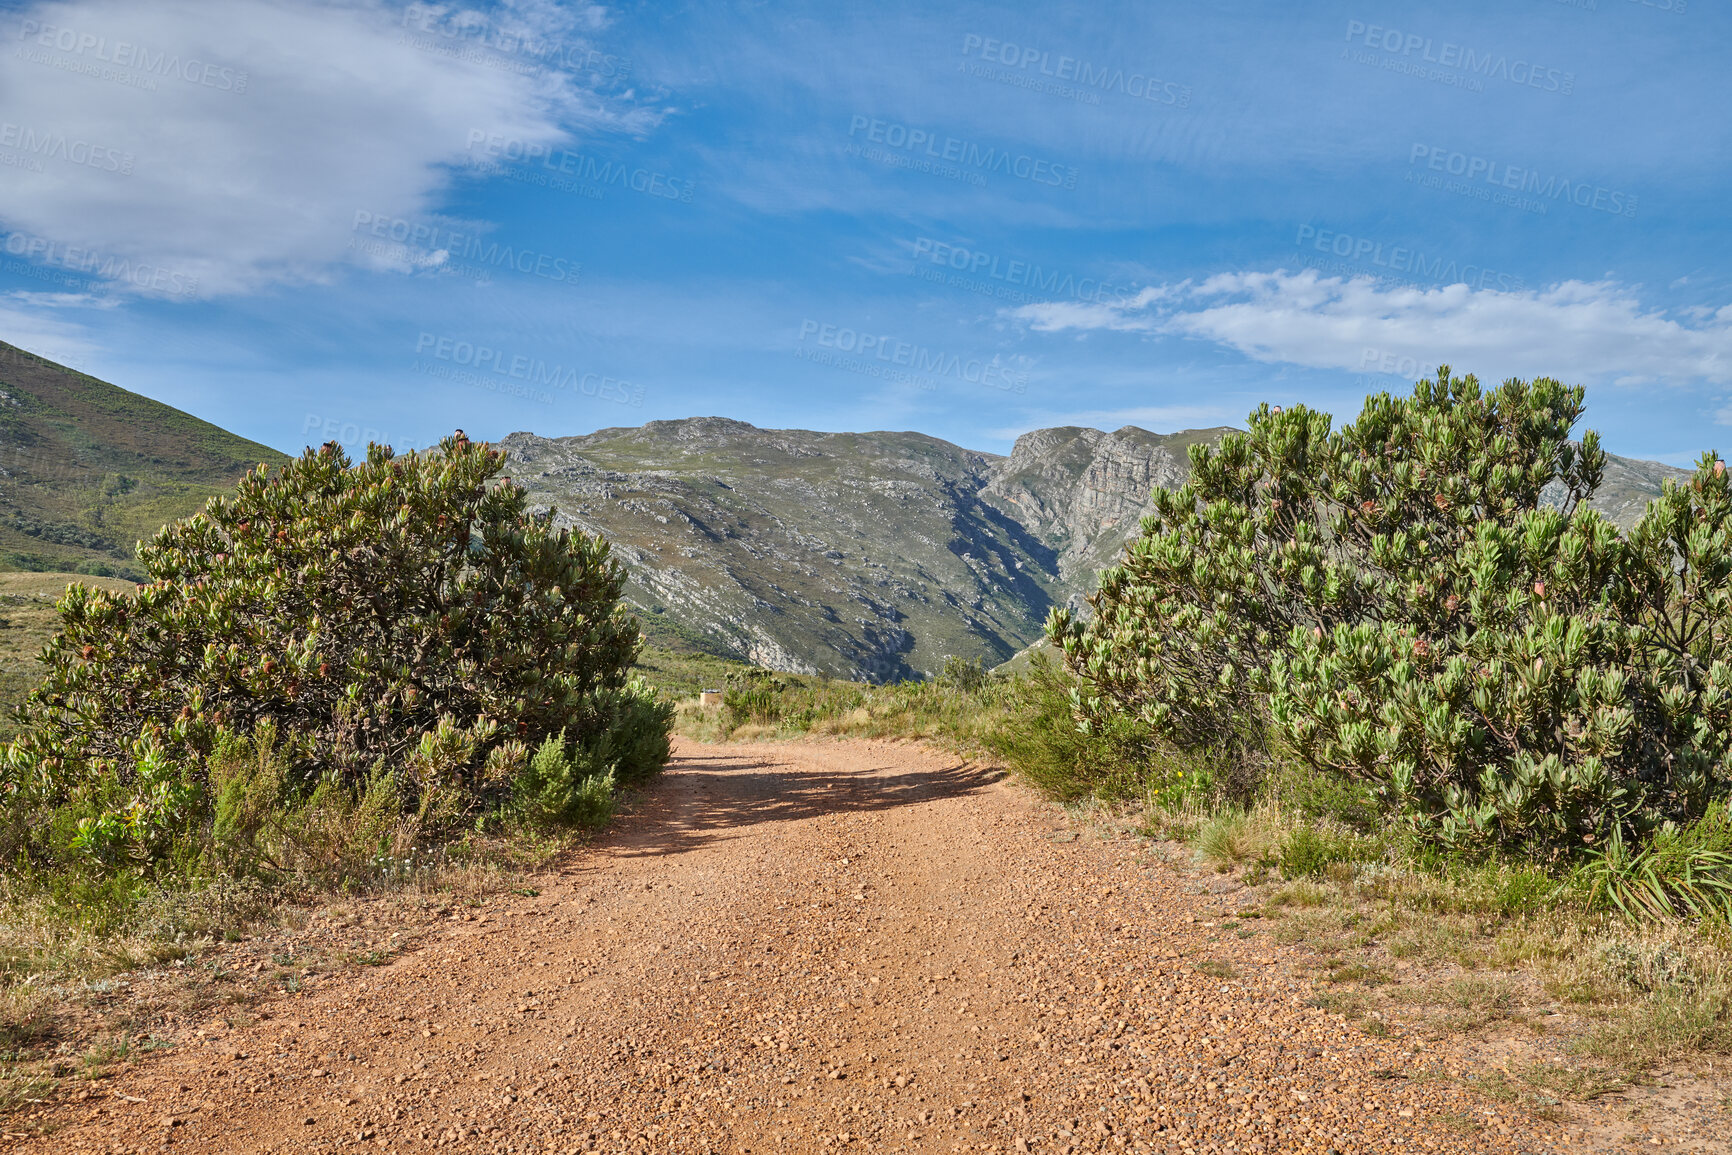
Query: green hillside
[[87, 469]]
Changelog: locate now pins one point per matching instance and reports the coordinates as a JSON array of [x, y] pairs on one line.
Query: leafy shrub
[[1321, 796], [1068, 756], [340, 645], [753, 697], [633, 740], [1394, 603], [1308, 851], [565, 787], [964, 674]]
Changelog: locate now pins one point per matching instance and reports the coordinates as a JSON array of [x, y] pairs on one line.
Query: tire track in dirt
[[805, 947]]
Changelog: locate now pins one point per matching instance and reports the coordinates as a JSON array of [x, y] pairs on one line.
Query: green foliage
[[1067, 758], [964, 674], [1676, 873], [1310, 849], [340, 646], [563, 787], [753, 695], [1316, 795], [572, 783], [1392, 603], [634, 734]]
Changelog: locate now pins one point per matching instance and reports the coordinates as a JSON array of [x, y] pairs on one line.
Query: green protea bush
[[404, 616], [1422, 601]]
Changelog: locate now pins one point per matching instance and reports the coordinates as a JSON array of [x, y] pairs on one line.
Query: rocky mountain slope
[[870, 555]]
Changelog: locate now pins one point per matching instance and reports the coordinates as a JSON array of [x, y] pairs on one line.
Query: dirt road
[[847, 946]]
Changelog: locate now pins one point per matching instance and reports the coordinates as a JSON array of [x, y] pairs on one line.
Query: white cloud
[[1576, 331], [248, 169]]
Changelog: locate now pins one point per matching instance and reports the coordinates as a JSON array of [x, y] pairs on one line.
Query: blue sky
[[304, 220]]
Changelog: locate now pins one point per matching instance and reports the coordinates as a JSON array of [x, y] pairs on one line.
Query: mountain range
[[861, 555]]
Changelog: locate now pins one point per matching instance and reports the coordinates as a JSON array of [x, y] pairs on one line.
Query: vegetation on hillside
[[88, 469]]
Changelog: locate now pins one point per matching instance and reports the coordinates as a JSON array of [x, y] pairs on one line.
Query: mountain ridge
[[872, 555]]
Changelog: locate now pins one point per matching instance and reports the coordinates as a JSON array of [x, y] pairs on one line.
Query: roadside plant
[[406, 615], [1421, 601], [965, 675]]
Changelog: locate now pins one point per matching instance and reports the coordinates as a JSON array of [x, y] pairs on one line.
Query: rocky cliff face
[[1082, 491], [869, 555], [862, 555]]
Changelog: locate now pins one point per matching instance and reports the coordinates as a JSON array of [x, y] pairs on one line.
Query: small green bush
[[964, 674], [1308, 851], [633, 740], [1523, 890], [753, 697], [561, 786], [1066, 755]]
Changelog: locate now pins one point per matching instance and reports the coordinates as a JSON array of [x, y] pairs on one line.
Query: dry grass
[[1627, 997], [1234, 839], [1498, 950]]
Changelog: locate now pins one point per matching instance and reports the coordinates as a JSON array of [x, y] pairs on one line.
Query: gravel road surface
[[805, 947]]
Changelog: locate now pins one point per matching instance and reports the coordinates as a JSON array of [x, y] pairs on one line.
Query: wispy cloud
[[45, 335], [1597, 332]]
